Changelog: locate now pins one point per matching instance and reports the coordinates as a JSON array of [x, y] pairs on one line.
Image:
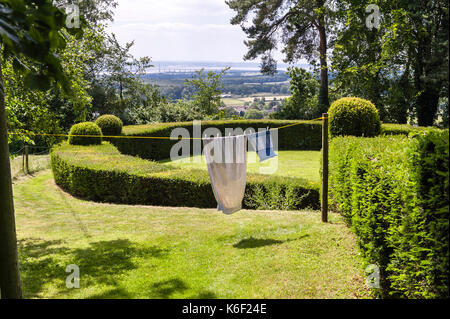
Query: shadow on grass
[[164, 289], [261, 242], [44, 262]]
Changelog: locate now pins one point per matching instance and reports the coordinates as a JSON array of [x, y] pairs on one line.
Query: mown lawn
[[35, 163], [160, 252], [305, 164]]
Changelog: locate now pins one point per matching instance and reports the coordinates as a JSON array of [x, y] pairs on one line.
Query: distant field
[[267, 97], [241, 100], [233, 102]]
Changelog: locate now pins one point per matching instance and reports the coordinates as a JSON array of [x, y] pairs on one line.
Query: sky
[[180, 30]]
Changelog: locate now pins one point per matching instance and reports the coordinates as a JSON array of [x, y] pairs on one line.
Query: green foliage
[[275, 196], [115, 74], [31, 30], [254, 114], [402, 66], [110, 125], [51, 111], [420, 262], [299, 137], [359, 67], [206, 90], [85, 128], [101, 173], [354, 116], [303, 103], [393, 192]]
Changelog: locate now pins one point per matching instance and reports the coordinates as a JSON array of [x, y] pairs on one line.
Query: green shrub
[[110, 125], [101, 173], [354, 116], [85, 128], [393, 192]]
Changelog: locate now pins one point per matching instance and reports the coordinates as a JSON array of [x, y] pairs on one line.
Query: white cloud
[[179, 29]]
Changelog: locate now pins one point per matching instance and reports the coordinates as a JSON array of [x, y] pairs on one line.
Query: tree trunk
[[9, 264], [427, 104], [427, 101], [324, 103]]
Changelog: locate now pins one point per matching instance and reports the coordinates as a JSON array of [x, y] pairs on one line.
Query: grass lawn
[[35, 163], [305, 164], [160, 252]]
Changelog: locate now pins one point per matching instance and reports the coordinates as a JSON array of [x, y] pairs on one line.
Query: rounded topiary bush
[[85, 128], [354, 116], [110, 125]]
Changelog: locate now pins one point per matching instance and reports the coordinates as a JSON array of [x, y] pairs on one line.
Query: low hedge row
[[393, 191], [400, 129], [306, 136], [101, 173]]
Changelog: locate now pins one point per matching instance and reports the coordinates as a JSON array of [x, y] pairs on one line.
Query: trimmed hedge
[[306, 136], [401, 129], [393, 192], [101, 173], [110, 125], [354, 116], [85, 128]]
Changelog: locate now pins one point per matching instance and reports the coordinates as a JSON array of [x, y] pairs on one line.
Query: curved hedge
[[101, 173], [305, 136]]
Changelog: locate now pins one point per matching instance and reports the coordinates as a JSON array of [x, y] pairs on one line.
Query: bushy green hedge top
[[354, 116], [85, 128], [110, 125]]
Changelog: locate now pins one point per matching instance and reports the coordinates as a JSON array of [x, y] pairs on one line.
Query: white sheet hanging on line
[[226, 159]]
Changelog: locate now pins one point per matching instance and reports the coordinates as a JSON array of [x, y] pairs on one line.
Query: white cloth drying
[[226, 159]]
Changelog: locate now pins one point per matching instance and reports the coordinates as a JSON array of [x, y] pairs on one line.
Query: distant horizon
[[210, 64], [221, 61]]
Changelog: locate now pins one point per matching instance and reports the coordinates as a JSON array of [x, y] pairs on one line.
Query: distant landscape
[[243, 83]]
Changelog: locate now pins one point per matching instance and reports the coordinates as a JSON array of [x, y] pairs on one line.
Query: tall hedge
[[420, 265], [101, 173], [393, 192]]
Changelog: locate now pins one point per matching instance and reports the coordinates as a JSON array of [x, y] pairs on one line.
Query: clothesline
[[153, 137]]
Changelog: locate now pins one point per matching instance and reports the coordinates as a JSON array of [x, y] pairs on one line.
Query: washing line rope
[[154, 137]]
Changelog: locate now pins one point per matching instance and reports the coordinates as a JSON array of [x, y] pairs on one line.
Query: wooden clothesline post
[[27, 168], [324, 191]]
